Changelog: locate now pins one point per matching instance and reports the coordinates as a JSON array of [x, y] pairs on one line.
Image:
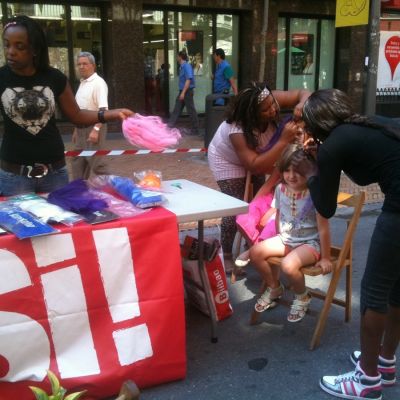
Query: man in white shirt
[[91, 95]]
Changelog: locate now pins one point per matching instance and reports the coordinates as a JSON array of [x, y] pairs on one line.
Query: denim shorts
[[380, 285], [12, 184]]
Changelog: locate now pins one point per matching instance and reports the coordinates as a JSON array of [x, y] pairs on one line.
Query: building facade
[[135, 43]]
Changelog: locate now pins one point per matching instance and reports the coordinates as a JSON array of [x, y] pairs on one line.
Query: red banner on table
[[97, 305]]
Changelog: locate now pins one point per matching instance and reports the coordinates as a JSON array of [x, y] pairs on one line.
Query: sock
[[301, 295], [386, 360], [368, 377]]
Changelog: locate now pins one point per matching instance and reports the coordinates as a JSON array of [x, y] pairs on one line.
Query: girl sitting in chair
[[303, 238]]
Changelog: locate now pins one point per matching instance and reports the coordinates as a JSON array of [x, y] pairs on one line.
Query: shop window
[[156, 69], [86, 34], [193, 33], [305, 56]]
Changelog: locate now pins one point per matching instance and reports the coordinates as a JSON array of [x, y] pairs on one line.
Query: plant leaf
[[75, 396], [39, 393], [55, 383]]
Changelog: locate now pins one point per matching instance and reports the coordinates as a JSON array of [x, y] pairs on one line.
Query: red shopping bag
[[215, 273]]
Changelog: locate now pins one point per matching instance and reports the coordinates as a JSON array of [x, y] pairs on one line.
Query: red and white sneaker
[[387, 368], [353, 385]]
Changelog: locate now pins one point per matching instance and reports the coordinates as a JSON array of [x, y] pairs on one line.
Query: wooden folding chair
[[248, 196], [341, 258]]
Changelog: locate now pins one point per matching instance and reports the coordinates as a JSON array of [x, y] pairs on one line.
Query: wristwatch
[[96, 128]]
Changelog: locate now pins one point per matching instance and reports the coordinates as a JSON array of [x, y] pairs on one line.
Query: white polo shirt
[[92, 93]]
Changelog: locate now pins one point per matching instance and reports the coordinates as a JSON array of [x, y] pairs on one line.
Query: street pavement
[[270, 360]]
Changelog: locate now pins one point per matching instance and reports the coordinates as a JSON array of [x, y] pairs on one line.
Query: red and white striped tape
[[91, 153]]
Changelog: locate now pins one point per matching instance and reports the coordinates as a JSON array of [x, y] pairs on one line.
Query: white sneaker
[[353, 385], [243, 259]]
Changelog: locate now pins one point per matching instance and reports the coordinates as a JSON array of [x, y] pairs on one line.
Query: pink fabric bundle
[[149, 132], [248, 223]]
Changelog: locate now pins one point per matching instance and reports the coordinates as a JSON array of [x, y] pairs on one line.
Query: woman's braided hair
[[244, 111]]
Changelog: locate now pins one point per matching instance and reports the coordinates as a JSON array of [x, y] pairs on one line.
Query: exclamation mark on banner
[[117, 273], [66, 306]]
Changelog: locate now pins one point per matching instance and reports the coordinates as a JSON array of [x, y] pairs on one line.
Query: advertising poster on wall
[[302, 48], [389, 59], [192, 41]]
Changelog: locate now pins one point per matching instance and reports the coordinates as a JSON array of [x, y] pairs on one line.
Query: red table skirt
[[97, 305]]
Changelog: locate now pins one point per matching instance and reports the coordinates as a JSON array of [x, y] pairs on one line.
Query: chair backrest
[[356, 201], [248, 189], [340, 255]]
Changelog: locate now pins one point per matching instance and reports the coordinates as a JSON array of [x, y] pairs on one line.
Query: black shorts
[[380, 284]]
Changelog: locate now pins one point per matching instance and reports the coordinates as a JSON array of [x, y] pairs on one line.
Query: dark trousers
[[179, 105]]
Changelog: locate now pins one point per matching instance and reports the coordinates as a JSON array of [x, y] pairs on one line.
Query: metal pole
[[372, 54]]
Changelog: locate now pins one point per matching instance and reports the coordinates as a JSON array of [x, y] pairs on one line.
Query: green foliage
[[57, 391]]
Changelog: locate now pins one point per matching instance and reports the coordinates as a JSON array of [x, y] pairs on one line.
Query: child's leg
[[291, 264], [259, 255]]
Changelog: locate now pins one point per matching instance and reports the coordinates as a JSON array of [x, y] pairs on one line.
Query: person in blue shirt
[[185, 95], [223, 78]]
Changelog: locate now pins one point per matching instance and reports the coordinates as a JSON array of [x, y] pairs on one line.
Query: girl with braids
[[367, 149], [251, 140], [32, 150]]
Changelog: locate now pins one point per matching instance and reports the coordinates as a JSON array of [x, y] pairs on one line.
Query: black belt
[[35, 170]]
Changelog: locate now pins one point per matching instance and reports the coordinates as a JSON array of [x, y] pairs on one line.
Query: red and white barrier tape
[[91, 153]]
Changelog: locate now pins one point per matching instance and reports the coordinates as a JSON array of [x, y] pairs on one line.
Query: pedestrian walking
[[185, 95]]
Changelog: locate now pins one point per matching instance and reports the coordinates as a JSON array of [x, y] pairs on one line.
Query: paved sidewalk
[[270, 360]]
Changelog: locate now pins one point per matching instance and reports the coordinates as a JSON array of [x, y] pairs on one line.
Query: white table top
[[190, 201]]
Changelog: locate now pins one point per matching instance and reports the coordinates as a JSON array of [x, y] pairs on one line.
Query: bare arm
[[292, 99], [325, 239], [261, 163], [71, 110], [233, 84], [269, 184], [265, 218]]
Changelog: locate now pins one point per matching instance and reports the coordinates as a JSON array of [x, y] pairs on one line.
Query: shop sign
[[350, 13]]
